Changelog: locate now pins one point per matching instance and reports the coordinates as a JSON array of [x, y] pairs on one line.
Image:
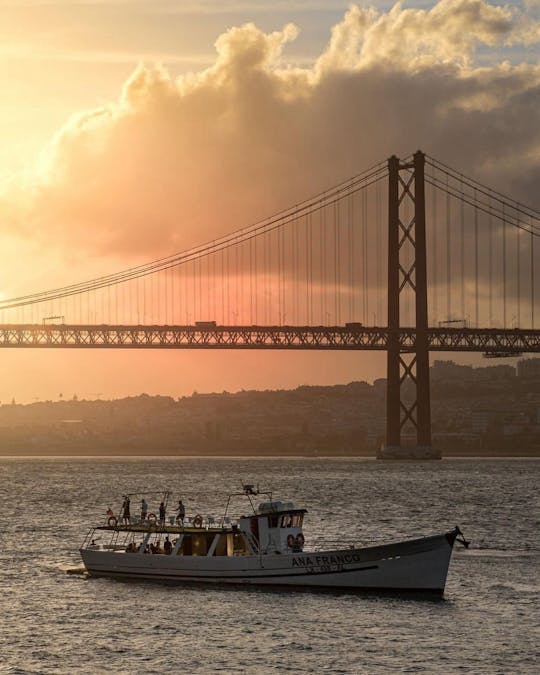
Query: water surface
[[488, 623]]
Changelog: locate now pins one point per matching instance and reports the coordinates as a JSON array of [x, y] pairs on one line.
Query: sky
[[120, 122]]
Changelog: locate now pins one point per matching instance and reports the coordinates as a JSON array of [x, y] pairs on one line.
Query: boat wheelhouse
[[266, 547]]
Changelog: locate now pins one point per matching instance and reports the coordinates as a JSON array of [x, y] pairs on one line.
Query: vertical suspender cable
[[532, 279], [236, 283], [310, 250], [267, 238], [350, 257], [307, 242], [504, 265], [434, 254], [364, 259], [448, 254], [199, 297], [462, 250], [476, 318], [322, 287], [294, 273], [518, 276], [378, 245], [490, 274], [252, 300], [256, 279], [228, 290], [366, 252], [280, 306], [336, 263]]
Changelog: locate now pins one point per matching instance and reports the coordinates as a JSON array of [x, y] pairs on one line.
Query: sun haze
[[134, 130]]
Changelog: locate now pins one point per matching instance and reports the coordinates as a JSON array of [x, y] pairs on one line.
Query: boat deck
[[166, 529]]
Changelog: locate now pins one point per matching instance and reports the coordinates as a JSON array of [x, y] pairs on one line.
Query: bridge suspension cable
[[276, 221], [480, 196], [490, 270], [323, 261]]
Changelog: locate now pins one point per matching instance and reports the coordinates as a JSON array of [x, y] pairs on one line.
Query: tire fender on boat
[[112, 521], [290, 540], [198, 521], [300, 539], [151, 518]]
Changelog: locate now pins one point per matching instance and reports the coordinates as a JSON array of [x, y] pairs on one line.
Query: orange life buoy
[[300, 539], [290, 540], [198, 520], [112, 522]]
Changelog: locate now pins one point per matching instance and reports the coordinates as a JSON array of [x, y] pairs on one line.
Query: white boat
[[266, 548]]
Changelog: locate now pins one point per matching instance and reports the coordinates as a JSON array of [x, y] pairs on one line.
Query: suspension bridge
[[409, 257]]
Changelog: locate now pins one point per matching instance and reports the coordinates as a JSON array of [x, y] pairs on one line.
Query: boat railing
[[197, 521]]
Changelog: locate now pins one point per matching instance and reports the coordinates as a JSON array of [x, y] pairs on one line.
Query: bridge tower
[[408, 395]]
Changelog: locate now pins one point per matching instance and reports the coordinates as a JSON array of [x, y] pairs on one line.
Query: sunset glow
[[131, 131]]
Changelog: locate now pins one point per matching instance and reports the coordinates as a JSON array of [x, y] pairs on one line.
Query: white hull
[[419, 565]]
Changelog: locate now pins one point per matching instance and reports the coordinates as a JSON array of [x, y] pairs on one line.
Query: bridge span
[[490, 341]]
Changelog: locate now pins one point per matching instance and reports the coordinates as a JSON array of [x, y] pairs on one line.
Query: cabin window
[[185, 548], [237, 545], [199, 544], [297, 520], [286, 521], [221, 548], [195, 544]]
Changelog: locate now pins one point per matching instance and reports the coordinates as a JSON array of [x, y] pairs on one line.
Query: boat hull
[[419, 565]]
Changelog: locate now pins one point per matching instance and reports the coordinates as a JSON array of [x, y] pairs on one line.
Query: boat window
[[185, 548], [286, 520], [273, 521], [238, 544], [221, 547], [194, 544], [297, 520]]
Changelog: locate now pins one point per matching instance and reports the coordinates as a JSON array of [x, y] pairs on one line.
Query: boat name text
[[318, 560]]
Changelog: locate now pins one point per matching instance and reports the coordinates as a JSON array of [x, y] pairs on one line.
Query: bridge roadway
[[492, 341]]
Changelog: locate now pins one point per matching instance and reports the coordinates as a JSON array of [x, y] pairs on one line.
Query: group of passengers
[[155, 549], [125, 518]]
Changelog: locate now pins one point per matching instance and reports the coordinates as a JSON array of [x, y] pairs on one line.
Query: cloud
[[177, 161]]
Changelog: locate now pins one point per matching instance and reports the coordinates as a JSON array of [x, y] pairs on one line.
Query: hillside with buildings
[[493, 410]]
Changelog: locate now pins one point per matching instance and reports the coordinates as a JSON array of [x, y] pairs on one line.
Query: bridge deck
[[62, 336]]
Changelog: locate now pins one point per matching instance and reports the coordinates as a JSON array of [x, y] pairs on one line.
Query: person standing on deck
[[144, 509], [162, 514], [181, 512], [126, 516]]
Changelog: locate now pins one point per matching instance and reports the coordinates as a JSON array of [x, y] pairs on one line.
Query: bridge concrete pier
[[418, 452]]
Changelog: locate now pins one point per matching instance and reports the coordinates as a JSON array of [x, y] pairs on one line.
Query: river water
[[487, 623]]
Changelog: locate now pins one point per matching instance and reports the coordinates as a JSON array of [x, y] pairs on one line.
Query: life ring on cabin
[[151, 518], [300, 539], [198, 521], [290, 541], [112, 521]]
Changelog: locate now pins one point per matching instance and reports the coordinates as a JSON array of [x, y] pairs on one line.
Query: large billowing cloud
[[176, 161]]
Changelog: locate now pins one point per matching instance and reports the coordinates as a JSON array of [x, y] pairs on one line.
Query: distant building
[[514, 423], [481, 420], [493, 373], [379, 387], [450, 370], [528, 368]]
